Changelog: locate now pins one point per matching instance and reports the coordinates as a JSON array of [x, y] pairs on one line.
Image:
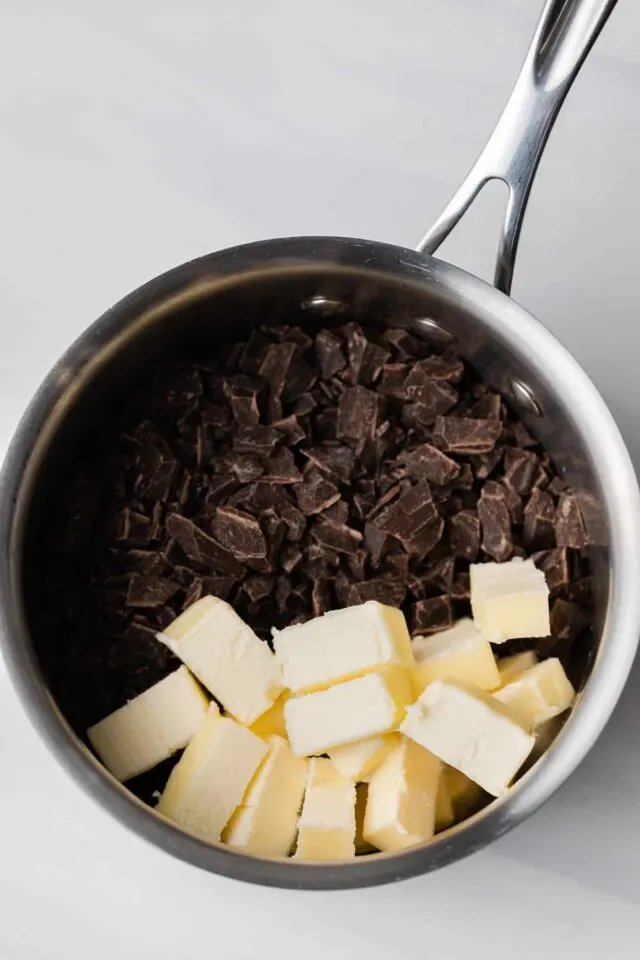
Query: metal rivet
[[433, 331], [322, 304], [524, 397]]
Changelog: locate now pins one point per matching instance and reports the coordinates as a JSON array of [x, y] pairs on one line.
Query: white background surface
[[137, 135]]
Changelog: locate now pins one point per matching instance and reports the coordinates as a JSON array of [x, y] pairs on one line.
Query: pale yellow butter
[[356, 761], [341, 645], [401, 802], [212, 775], [460, 653], [539, 694], [271, 723], [266, 822], [227, 657], [346, 712], [445, 814], [470, 730], [151, 727], [327, 824], [509, 600], [510, 667], [465, 795]]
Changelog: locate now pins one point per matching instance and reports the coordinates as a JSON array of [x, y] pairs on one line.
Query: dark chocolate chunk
[[257, 587], [431, 616], [316, 493], [220, 587], [570, 526], [200, 548], [486, 463], [376, 542], [357, 564], [256, 440], [281, 468], [464, 534], [495, 520], [242, 392], [520, 470], [290, 558], [419, 387], [488, 407], [556, 568], [241, 535], [358, 415], [539, 521], [408, 514], [291, 428], [219, 489], [421, 544], [390, 592], [150, 591], [428, 463], [440, 367], [329, 353], [133, 528], [441, 573], [461, 587], [304, 405], [341, 538], [466, 435], [338, 460], [392, 381], [294, 520], [338, 512], [286, 371], [321, 600]]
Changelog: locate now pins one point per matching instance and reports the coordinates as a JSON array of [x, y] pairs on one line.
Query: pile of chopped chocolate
[[292, 474]]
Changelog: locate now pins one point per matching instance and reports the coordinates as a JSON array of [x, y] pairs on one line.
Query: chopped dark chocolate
[[570, 526], [281, 468], [408, 514], [149, 591], [464, 534], [200, 548], [241, 535], [321, 600], [556, 567], [358, 414], [539, 521], [316, 493], [392, 381], [337, 460], [330, 355], [256, 440], [341, 538], [495, 520], [430, 616], [428, 463], [390, 592], [286, 371], [520, 470], [466, 435]]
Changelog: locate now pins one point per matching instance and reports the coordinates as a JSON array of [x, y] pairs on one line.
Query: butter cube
[[354, 710], [509, 600], [445, 814], [401, 803], [510, 667], [271, 723], [465, 795], [341, 645], [540, 693], [151, 727], [362, 845], [266, 822], [459, 653], [327, 824], [211, 777], [227, 657], [470, 730], [356, 761]]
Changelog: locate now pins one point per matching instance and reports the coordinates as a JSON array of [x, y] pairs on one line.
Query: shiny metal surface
[[565, 33], [220, 297]]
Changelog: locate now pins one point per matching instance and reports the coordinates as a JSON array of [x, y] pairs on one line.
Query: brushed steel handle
[[566, 31]]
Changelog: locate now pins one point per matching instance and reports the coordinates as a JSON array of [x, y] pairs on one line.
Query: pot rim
[[526, 336]]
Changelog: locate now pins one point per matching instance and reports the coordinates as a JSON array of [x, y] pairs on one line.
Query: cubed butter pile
[[350, 737]]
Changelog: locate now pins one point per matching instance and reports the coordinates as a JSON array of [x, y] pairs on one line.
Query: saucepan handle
[[565, 33]]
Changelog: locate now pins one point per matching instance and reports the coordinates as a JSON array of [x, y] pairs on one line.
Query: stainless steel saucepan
[[220, 296]]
